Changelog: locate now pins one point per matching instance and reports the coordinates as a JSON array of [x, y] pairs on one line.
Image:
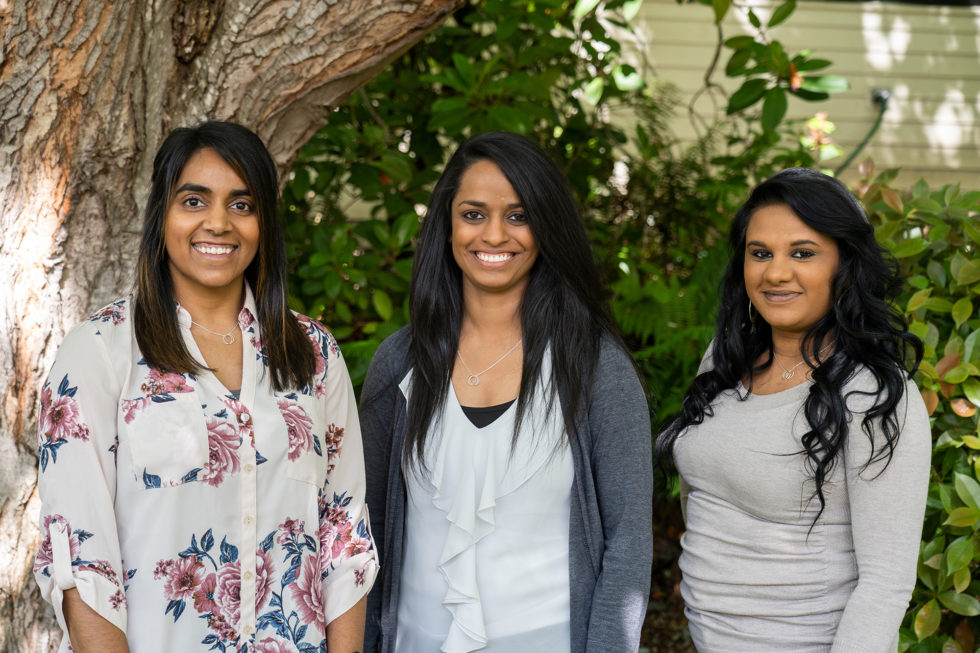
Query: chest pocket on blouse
[[306, 454], [168, 440]]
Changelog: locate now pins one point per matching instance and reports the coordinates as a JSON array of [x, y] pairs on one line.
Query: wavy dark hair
[[291, 361], [563, 303], [867, 330]]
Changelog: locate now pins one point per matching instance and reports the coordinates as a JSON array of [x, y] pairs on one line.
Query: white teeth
[[494, 258], [212, 249]]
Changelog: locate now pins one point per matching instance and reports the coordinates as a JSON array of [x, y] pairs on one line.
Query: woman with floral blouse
[[201, 468]]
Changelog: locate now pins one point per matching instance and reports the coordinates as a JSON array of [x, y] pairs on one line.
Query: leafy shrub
[[935, 233]]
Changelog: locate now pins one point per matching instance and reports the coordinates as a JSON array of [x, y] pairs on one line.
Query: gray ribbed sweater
[[754, 579]]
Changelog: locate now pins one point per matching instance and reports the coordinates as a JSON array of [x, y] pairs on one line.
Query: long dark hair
[[290, 352], [866, 329], [563, 303]]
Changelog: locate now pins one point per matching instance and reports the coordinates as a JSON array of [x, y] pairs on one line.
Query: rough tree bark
[[88, 89]]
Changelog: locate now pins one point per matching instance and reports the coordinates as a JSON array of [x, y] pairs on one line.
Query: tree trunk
[[88, 90]]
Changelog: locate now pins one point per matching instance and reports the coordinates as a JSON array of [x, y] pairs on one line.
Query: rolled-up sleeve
[[76, 479], [349, 558]]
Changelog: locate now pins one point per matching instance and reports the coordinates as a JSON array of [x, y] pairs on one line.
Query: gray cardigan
[[610, 532]]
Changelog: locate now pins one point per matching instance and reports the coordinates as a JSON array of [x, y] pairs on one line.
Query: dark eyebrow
[[483, 205], [195, 188], [795, 243]]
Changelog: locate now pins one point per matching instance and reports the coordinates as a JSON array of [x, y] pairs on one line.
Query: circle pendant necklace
[[227, 338], [789, 373], [473, 378]]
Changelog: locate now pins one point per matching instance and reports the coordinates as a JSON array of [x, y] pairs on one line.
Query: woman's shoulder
[[324, 344], [392, 353], [107, 329]]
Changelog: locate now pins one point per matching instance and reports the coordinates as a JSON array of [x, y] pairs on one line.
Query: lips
[[780, 296]]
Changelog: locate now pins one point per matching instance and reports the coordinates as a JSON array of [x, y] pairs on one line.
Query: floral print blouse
[[189, 518]]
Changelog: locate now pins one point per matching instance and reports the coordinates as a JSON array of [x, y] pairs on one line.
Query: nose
[[778, 269], [216, 220], [495, 231]]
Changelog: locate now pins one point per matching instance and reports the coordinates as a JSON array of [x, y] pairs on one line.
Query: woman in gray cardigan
[[803, 443], [506, 433]]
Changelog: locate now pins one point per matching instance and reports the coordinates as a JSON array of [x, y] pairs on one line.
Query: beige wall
[[927, 56]]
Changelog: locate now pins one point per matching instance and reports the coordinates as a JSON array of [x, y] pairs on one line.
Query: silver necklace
[[789, 373], [474, 378], [227, 338]]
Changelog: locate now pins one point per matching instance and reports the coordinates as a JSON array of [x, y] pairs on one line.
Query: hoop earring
[[751, 314]]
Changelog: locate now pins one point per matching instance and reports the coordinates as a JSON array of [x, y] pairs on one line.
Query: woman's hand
[[88, 631], [345, 634]]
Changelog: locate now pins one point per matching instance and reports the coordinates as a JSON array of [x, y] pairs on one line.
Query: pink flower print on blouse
[[59, 419], [333, 439], [289, 528], [307, 592], [299, 426], [157, 387], [264, 570], [204, 595], [272, 645], [223, 444], [227, 591], [340, 539], [58, 526], [183, 578], [115, 313]]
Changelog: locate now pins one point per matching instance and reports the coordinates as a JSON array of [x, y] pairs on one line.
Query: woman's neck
[[217, 310], [489, 316]]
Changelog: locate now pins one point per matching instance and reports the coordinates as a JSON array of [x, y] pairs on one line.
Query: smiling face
[[211, 229], [789, 270], [491, 239]]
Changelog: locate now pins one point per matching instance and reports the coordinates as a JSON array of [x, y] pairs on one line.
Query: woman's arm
[[887, 509], [377, 415], [89, 632], [79, 564], [345, 634], [622, 463]]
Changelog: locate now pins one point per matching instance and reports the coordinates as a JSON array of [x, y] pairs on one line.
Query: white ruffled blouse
[[486, 535]]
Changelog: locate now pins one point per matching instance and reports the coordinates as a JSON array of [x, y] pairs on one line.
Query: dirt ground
[[665, 628]]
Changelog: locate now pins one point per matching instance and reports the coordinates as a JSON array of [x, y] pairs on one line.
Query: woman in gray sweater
[[803, 446], [506, 434]]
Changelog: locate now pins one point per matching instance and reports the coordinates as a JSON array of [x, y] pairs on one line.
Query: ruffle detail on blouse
[[468, 475]]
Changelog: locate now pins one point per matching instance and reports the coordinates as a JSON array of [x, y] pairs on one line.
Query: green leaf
[[970, 345], [465, 67], [962, 604], [753, 19], [825, 83], [961, 581], [936, 272], [927, 620], [382, 304], [736, 63], [631, 8], [968, 490], [582, 7], [959, 554], [593, 90], [741, 42], [782, 12], [962, 310], [627, 78], [721, 8], [964, 518], [910, 247], [773, 108], [958, 374], [969, 273], [748, 94], [918, 300], [812, 64], [406, 226]]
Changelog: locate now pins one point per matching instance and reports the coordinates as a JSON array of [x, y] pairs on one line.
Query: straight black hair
[[868, 331], [563, 303], [290, 353]]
